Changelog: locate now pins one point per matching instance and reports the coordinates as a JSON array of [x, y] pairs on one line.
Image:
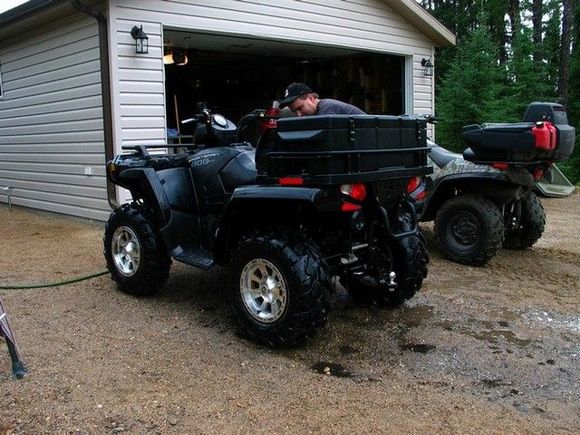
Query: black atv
[[318, 197], [483, 199]]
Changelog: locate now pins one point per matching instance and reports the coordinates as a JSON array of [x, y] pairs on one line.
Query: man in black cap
[[303, 101]]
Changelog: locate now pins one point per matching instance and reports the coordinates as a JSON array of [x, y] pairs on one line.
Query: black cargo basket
[[515, 142], [337, 149]]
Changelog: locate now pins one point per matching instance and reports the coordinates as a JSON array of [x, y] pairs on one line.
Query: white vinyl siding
[[367, 25], [51, 119]]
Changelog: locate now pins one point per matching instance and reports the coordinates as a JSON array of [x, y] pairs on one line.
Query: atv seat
[[441, 156]]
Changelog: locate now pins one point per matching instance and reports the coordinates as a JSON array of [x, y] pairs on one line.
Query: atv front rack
[[142, 149]]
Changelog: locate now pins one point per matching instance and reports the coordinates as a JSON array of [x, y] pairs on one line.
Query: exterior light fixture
[[427, 67], [141, 40]]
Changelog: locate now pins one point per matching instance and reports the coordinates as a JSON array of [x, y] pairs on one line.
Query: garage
[[76, 90], [234, 75]]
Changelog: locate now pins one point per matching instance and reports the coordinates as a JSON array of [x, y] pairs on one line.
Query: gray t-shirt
[[328, 106]]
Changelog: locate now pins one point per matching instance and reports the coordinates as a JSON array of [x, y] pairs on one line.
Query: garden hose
[[53, 284]]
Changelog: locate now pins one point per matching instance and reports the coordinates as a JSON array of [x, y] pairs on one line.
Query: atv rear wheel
[[469, 229], [531, 223], [134, 254], [407, 258], [279, 289]]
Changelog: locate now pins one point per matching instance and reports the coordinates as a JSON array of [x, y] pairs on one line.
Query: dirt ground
[[478, 350]]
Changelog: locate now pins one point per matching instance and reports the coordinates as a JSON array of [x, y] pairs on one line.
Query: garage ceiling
[[246, 45]]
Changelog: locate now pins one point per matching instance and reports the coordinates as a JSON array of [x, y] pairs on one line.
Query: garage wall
[[361, 24], [51, 126]]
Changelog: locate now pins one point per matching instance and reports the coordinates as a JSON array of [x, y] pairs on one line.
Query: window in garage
[[236, 75]]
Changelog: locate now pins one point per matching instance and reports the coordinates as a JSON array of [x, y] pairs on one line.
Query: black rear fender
[[496, 186], [266, 206]]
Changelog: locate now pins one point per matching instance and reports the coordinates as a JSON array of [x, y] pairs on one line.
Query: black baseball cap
[[293, 91]]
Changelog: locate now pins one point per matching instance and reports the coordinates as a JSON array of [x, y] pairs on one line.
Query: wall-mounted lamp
[[141, 40], [427, 67]]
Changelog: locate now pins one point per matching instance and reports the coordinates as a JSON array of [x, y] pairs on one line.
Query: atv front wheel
[[134, 253], [279, 289], [531, 223], [469, 229], [409, 260]]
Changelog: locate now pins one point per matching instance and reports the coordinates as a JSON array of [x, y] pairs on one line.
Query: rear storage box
[[543, 136], [334, 149]]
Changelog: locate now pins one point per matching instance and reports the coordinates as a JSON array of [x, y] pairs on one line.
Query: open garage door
[[235, 75]]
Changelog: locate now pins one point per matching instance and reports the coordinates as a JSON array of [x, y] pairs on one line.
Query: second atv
[[483, 200]]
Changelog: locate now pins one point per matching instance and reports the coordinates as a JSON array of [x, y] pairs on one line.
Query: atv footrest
[[194, 256]]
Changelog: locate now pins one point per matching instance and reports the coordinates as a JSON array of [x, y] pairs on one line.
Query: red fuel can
[[545, 135]]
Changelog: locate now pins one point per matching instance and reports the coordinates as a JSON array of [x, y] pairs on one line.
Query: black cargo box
[[516, 142], [332, 149]]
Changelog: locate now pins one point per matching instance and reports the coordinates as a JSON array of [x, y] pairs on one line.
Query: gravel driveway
[[478, 350]]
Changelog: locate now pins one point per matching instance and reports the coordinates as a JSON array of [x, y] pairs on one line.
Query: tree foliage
[[509, 53], [470, 88], [571, 167]]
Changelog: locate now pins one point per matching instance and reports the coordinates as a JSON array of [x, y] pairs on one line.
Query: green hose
[[54, 284]]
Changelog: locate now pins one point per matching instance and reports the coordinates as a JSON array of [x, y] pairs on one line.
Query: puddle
[[332, 369], [495, 336], [415, 316], [554, 320], [506, 315]]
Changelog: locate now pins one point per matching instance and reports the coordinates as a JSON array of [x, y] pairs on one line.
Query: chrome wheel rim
[[263, 290], [126, 251]]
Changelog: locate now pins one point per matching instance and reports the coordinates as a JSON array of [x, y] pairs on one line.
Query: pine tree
[[564, 70], [526, 82], [470, 89], [571, 167], [551, 42]]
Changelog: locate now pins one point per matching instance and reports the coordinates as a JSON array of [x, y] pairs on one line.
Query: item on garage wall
[[177, 119], [18, 368]]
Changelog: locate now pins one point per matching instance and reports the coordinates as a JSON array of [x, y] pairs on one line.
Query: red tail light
[[347, 206], [420, 196], [356, 191], [416, 189], [291, 181], [413, 184], [500, 166]]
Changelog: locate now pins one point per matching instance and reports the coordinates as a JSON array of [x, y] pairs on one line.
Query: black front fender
[[147, 183]]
